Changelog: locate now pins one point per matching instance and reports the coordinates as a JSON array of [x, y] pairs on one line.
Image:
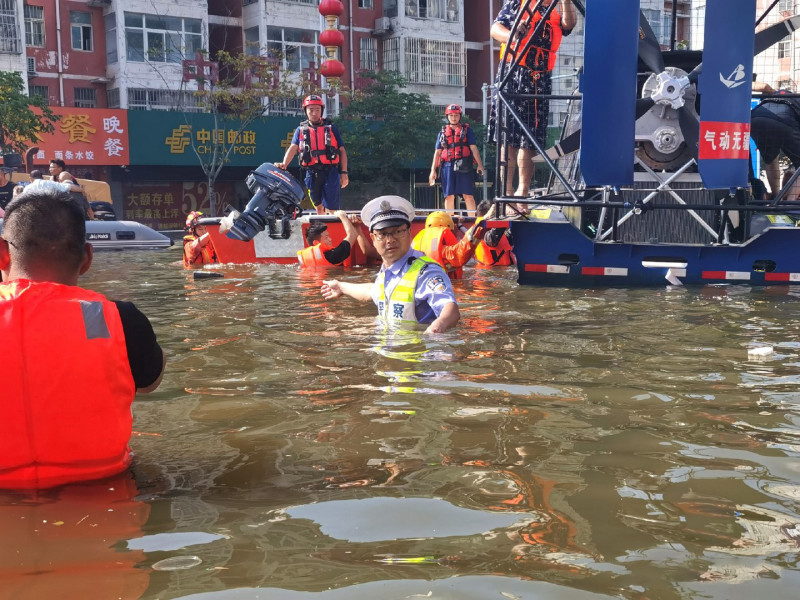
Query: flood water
[[558, 444]]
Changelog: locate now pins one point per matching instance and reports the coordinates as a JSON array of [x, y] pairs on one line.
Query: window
[[144, 99], [110, 22], [432, 9], [10, 39], [364, 3], [34, 26], [252, 46], [112, 98], [80, 25], [368, 54], [785, 47], [391, 54], [297, 48], [435, 62], [786, 6], [40, 91], [85, 98], [246, 2], [161, 39]]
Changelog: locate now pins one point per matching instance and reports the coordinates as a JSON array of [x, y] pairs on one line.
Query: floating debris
[[177, 563]]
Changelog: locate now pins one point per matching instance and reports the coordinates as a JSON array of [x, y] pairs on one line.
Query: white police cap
[[387, 211]]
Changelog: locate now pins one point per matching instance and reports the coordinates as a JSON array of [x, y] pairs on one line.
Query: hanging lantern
[[332, 39]]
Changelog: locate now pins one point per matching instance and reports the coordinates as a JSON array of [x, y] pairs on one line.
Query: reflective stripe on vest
[[313, 256], [431, 240], [207, 256], [68, 387], [400, 308], [317, 145]]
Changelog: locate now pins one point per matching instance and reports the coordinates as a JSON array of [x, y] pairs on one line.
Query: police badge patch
[[436, 284]]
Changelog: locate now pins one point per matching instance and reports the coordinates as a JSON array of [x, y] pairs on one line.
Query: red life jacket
[[500, 256], [317, 144], [67, 386], [314, 256], [207, 256], [455, 142], [431, 240], [538, 55]]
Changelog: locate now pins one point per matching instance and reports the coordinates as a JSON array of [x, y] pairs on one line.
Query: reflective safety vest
[[67, 386], [431, 241], [454, 141], [314, 256], [538, 55], [499, 256], [318, 145], [400, 308], [207, 256]]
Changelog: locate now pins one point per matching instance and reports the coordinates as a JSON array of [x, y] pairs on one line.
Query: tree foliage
[[19, 123], [386, 129]]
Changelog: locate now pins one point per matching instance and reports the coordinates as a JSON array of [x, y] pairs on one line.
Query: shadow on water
[[559, 443]]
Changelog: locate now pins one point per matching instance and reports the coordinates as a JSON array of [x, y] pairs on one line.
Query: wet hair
[[483, 207], [45, 225], [60, 163], [314, 231], [36, 174]]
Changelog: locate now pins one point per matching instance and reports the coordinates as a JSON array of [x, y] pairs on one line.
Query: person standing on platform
[[323, 157], [410, 287], [456, 150]]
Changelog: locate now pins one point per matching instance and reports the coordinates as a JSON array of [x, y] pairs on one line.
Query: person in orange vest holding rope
[[439, 242], [198, 249], [323, 158], [456, 150], [494, 248], [320, 251], [74, 360]]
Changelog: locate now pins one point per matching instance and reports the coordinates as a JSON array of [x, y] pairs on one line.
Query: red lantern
[[332, 68], [331, 7], [331, 37]]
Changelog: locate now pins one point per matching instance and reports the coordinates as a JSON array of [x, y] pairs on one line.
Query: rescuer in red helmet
[[323, 159], [456, 151]]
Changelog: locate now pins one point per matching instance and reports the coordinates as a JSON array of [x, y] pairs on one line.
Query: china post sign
[[173, 138]]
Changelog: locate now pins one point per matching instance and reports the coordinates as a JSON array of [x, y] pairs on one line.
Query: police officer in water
[[323, 158], [410, 288]]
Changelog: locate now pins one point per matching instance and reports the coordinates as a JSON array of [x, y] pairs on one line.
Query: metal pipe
[[60, 58], [352, 67]]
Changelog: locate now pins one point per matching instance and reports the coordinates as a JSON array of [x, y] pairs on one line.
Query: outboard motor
[[276, 200]]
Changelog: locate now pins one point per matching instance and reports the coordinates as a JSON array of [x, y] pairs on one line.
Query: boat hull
[[555, 253], [123, 235]]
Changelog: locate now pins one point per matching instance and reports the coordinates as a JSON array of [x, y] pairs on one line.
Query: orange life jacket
[[551, 30], [499, 256], [432, 241], [317, 145], [314, 256], [455, 142], [207, 256], [67, 386]]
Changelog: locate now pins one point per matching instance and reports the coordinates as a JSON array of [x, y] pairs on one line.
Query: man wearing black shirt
[[6, 188]]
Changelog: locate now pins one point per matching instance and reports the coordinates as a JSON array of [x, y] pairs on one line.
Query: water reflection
[[614, 443]]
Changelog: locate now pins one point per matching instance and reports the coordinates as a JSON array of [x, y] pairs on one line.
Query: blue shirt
[[433, 292]]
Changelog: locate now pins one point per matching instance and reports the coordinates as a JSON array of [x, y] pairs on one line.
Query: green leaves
[[19, 122]]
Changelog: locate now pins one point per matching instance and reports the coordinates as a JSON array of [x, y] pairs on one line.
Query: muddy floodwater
[[603, 443]]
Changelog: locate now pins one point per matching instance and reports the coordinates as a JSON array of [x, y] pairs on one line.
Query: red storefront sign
[[86, 137], [164, 205]]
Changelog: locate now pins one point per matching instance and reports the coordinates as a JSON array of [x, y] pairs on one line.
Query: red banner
[[86, 137], [164, 205], [724, 140]]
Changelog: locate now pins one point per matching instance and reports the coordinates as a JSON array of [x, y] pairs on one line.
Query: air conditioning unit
[[383, 25], [31, 65]]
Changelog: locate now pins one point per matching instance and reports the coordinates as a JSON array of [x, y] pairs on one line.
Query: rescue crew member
[[320, 251], [74, 359], [322, 155], [198, 249], [456, 150], [494, 248], [410, 288], [529, 85], [438, 241], [775, 128]]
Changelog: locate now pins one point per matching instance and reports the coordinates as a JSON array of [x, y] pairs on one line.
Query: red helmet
[[452, 109], [192, 218], [313, 100]]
